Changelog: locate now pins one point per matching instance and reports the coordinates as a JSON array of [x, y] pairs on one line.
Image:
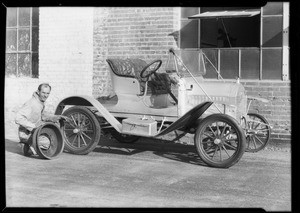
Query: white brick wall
[[65, 60], [66, 50]]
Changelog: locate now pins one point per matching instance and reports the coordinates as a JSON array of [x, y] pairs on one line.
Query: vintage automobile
[[148, 103]]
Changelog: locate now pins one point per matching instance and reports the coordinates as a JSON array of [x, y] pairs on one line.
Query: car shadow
[[111, 145], [166, 149], [174, 151], [190, 157]]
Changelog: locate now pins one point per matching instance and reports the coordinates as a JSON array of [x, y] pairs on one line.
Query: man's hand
[[64, 117], [39, 123], [56, 118]]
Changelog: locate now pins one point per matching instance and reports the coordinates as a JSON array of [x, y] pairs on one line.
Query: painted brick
[[65, 60], [131, 32]]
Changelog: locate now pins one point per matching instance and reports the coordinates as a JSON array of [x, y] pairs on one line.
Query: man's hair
[[44, 85]]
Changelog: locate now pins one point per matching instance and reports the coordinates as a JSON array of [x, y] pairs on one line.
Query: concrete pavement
[[150, 173]]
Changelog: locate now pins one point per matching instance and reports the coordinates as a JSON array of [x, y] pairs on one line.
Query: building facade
[[68, 48]]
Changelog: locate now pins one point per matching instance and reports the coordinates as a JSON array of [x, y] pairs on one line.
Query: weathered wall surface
[[277, 111], [65, 60]]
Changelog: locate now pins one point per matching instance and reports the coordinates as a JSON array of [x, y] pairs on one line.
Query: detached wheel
[[258, 132], [82, 132], [220, 141], [48, 141], [124, 138]]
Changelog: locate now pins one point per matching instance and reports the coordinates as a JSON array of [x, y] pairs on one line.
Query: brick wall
[[65, 60], [277, 111], [130, 32]]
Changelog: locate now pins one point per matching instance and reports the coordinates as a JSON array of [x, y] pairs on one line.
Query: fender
[[85, 100], [188, 118]]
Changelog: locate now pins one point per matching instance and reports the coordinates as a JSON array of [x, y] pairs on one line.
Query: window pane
[[272, 31], [189, 34], [272, 64], [11, 40], [24, 16], [229, 66], [35, 16], [210, 57], [35, 38], [209, 33], [190, 59], [273, 8], [189, 11], [250, 64], [226, 32], [11, 20], [35, 65], [24, 64], [11, 64], [24, 40]]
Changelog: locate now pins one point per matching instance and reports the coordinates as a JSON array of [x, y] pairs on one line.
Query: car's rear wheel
[[258, 132], [82, 132]]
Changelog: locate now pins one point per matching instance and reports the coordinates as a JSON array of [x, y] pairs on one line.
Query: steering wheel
[[151, 71]]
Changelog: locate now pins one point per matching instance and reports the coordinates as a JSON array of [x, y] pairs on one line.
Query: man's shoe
[[26, 150]]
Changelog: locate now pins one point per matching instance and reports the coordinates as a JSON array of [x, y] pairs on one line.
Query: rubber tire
[[48, 154], [240, 133], [124, 138], [265, 144], [96, 126]]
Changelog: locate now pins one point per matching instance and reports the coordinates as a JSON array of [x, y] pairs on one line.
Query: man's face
[[44, 93]]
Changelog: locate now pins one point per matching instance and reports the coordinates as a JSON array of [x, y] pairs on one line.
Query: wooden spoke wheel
[[258, 132], [220, 141], [82, 131]]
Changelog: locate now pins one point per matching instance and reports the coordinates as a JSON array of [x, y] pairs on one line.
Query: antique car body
[[156, 104]]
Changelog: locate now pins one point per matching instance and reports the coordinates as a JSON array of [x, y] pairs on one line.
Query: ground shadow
[[190, 157], [110, 145], [13, 147], [174, 151], [16, 147]]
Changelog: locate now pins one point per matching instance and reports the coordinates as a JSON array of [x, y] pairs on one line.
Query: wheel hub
[[217, 141], [76, 130]]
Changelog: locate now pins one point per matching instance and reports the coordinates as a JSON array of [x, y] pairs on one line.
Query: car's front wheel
[[220, 141]]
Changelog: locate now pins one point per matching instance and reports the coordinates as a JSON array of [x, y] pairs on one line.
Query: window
[[22, 37], [240, 42]]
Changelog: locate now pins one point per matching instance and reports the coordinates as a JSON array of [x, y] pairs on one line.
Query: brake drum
[[48, 141]]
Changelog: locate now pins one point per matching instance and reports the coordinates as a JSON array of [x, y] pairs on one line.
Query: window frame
[[18, 52], [284, 47]]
